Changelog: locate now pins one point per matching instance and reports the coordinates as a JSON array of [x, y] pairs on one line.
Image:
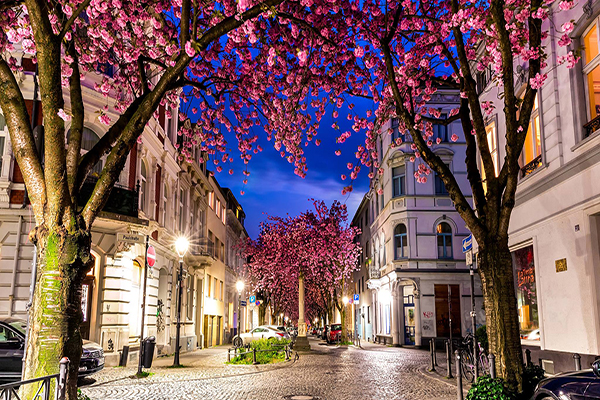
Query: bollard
[[254, 356], [459, 383], [228, 355], [435, 354], [577, 359], [61, 387], [528, 356], [432, 354], [492, 359], [449, 360], [287, 352]]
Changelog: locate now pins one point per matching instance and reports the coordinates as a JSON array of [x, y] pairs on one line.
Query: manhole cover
[[301, 397]]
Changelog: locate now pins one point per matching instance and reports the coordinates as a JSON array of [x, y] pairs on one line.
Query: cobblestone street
[[326, 373]]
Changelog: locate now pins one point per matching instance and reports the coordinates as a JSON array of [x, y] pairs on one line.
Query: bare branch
[[76, 131]]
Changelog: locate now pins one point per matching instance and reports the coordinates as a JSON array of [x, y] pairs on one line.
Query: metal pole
[[61, 386], [577, 359], [492, 366], [450, 322], [459, 383], [239, 332], [449, 359], [474, 324], [178, 332], [140, 358], [432, 351]]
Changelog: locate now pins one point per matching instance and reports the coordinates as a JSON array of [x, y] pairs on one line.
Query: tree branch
[[23, 143], [72, 19], [76, 130]]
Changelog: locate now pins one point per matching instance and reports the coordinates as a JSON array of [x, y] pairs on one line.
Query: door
[[447, 310], [11, 353], [86, 305], [409, 320]]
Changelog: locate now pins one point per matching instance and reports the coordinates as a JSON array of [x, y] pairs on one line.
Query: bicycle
[[467, 364]]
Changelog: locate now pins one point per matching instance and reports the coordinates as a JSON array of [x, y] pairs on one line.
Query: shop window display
[[524, 268]]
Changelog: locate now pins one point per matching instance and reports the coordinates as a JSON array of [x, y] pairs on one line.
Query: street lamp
[[345, 300], [239, 286], [181, 246]]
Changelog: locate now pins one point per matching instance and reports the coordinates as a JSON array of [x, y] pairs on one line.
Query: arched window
[[143, 186], [591, 70], [400, 242], [444, 240]]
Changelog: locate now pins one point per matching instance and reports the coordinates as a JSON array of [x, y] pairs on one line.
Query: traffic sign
[[243, 303], [356, 298], [131, 238], [151, 256], [351, 301], [252, 299], [467, 243], [257, 302], [469, 258]]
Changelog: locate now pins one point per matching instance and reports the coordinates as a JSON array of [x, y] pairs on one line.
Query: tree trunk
[[55, 316], [496, 271], [344, 337]]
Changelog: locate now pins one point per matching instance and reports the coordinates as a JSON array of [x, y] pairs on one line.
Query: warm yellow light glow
[[239, 286], [345, 300], [181, 245], [385, 296]]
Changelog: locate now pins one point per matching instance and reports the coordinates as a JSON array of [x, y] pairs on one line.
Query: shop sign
[[561, 265], [131, 238]]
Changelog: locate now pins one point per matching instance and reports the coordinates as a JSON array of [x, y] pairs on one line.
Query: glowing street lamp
[[181, 246], [345, 300]]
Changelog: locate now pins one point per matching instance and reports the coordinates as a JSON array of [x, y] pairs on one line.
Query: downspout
[[13, 283]]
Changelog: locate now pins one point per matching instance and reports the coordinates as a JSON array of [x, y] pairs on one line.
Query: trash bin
[[148, 354]]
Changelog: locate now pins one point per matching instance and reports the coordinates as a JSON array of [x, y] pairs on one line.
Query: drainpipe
[[13, 283]]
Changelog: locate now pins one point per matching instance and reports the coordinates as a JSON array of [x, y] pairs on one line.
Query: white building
[[555, 227], [155, 196], [417, 272]]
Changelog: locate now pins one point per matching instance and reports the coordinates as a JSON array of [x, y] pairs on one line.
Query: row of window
[[214, 288], [443, 238]]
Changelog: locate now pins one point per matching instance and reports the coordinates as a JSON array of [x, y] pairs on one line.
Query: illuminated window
[[524, 267], [532, 149], [444, 240], [490, 131], [143, 186], [591, 70]]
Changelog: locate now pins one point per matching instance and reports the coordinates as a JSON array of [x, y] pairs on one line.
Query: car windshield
[[336, 327], [19, 326]]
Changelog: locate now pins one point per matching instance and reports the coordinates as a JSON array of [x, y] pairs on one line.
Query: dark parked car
[[580, 385], [12, 344]]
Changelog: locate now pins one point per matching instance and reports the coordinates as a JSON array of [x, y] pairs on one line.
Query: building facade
[[418, 280], [554, 232], [157, 198]]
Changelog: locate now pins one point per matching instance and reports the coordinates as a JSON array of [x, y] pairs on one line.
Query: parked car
[[261, 332], [12, 345], [334, 334], [584, 385], [324, 332]]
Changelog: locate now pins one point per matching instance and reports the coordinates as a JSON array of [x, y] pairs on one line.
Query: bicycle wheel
[[237, 342], [484, 364], [467, 366]]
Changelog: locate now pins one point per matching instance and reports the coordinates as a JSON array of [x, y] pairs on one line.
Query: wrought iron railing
[[122, 200], [203, 246], [531, 166], [9, 391], [592, 126]]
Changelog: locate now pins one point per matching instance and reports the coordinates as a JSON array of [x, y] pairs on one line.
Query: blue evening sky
[[274, 189]]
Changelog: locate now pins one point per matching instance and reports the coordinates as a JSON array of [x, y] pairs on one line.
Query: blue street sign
[[243, 303], [252, 299], [257, 303], [467, 243], [356, 298]]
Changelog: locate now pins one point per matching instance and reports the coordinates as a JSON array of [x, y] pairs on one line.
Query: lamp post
[[345, 301], [239, 286], [181, 246]]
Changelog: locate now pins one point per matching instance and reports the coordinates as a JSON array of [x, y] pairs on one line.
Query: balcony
[[592, 126], [202, 253], [531, 166], [122, 200]]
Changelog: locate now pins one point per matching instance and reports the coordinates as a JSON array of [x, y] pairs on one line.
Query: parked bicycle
[[467, 359]]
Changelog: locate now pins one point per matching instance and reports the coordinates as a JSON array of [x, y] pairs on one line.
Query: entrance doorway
[[447, 310], [409, 315], [87, 291]]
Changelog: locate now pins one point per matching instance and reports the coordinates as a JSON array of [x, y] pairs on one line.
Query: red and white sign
[[151, 256]]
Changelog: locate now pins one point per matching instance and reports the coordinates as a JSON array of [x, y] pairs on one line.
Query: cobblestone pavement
[[326, 373]]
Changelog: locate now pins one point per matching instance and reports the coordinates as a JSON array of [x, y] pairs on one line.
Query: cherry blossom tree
[[407, 51], [316, 246], [215, 59]]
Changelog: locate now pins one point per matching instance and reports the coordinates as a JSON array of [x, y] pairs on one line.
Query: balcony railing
[[122, 200], [203, 247], [592, 126], [531, 166]]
